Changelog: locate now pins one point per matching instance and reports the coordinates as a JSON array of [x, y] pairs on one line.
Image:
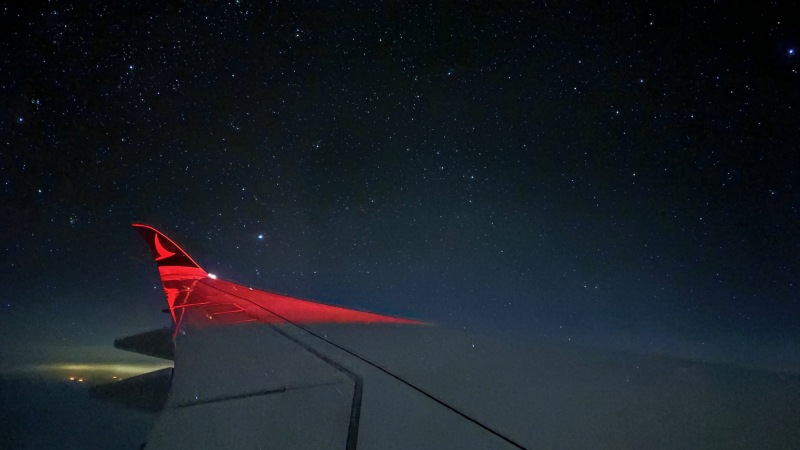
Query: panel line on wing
[[254, 394], [191, 305], [358, 389]]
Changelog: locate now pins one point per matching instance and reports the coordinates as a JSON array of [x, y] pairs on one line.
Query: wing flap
[[156, 343], [146, 392]]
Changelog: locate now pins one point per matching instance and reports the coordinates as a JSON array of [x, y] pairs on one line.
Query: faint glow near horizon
[[86, 372]]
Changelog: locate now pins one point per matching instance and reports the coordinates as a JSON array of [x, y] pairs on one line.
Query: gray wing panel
[[247, 386], [256, 385], [314, 417]]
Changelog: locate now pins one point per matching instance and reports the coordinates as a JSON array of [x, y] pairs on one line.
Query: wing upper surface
[[248, 372], [255, 369]]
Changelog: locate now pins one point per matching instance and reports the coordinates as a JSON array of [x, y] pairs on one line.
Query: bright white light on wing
[[212, 276]]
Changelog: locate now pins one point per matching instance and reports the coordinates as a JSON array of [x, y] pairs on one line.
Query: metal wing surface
[[255, 369]]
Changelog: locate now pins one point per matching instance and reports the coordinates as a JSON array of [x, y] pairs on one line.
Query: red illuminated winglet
[[172, 261], [217, 302]]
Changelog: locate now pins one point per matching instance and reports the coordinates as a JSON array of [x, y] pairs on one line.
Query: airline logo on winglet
[[162, 252]]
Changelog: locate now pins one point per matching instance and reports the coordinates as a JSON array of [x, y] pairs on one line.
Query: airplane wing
[[255, 369]]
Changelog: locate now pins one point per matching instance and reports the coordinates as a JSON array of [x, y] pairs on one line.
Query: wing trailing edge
[[146, 392]]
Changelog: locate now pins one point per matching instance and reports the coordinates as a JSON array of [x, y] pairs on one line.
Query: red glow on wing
[[181, 273], [278, 308], [197, 298], [210, 302]]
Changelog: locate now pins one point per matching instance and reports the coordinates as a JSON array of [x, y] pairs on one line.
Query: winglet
[[172, 261]]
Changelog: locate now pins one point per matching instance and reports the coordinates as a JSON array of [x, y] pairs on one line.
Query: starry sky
[[621, 175]]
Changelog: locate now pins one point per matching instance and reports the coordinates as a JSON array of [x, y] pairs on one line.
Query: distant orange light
[[80, 380], [71, 378]]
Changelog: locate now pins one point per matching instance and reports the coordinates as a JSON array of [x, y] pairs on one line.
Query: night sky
[[619, 175]]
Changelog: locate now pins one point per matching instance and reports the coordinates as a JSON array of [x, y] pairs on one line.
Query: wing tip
[[165, 251]]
